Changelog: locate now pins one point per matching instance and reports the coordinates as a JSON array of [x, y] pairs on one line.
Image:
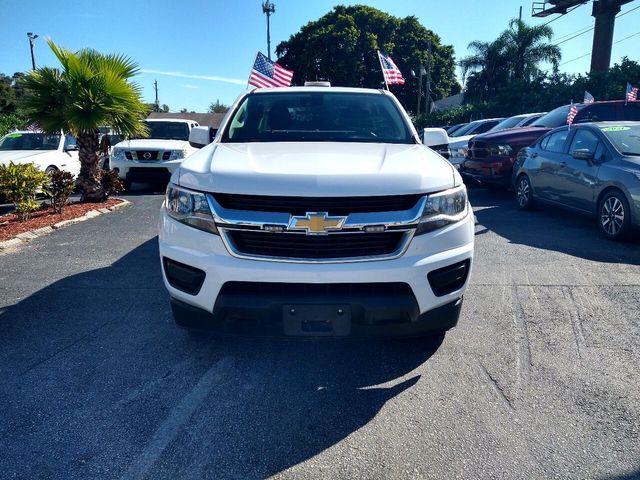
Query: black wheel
[[524, 195], [50, 170], [614, 215], [127, 185]]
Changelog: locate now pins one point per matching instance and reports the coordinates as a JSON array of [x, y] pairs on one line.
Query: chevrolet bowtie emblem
[[316, 223]]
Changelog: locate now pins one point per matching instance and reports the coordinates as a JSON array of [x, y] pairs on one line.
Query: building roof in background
[[449, 102], [204, 119]]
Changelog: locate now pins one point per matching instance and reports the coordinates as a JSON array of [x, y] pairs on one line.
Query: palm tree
[[488, 67], [91, 89], [525, 47]]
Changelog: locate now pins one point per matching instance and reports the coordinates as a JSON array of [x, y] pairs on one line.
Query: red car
[[491, 156]]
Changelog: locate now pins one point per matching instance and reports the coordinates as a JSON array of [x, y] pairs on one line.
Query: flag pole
[[382, 69]]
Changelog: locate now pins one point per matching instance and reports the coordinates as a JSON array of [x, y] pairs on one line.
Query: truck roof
[[318, 89], [183, 120]]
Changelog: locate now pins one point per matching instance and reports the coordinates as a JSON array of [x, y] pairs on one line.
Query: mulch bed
[[10, 225]]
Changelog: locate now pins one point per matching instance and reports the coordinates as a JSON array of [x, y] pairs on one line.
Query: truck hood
[[316, 169], [513, 135], [152, 144], [23, 156]]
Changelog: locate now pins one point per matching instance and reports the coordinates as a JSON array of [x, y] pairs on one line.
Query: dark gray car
[[592, 168]]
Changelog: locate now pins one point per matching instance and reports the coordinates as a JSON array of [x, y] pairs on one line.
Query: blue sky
[[202, 50]]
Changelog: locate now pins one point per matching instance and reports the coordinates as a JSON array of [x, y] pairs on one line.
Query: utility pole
[[268, 8], [155, 87], [32, 37], [428, 100], [419, 89], [520, 14]]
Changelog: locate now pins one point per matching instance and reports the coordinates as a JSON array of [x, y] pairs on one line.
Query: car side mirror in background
[[200, 136], [71, 148], [583, 154]]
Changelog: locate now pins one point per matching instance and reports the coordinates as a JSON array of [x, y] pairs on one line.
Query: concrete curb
[[41, 232]]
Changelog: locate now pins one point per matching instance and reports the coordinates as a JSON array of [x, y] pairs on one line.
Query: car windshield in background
[[30, 141], [317, 117], [506, 123], [168, 130], [626, 138], [467, 128], [555, 118]]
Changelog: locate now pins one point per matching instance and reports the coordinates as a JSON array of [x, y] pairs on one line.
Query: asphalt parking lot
[[540, 379]]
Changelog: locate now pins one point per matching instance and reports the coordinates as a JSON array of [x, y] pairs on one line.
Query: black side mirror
[[583, 154]]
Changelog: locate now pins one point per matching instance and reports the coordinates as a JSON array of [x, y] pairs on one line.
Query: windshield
[[626, 138], [30, 141], [168, 130], [466, 128], [507, 123], [555, 118], [317, 117]]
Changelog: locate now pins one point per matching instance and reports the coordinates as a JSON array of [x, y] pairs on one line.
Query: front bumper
[[141, 171], [488, 171], [426, 253]]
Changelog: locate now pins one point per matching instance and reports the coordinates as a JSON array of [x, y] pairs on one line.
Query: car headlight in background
[[500, 150], [118, 154], [442, 209], [190, 208], [177, 154], [459, 152]]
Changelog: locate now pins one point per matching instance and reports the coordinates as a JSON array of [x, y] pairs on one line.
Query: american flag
[[632, 93], [267, 74], [392, 75], [588, 98], [573, 111]]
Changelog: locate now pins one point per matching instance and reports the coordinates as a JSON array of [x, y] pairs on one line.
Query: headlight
[[190, 208], [177, 154], [459, 152], [442, 209], [500, 150], [118, 154]]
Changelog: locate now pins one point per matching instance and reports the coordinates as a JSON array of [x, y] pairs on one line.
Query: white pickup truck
[[48, 152], [316, 211], [153, 159]]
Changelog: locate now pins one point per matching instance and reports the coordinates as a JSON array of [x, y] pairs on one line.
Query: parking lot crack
[[493, 383]]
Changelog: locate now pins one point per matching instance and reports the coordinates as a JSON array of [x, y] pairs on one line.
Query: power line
[[575, 36], [588, 28], [587, 54]]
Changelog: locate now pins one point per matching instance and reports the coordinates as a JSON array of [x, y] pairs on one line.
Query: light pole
[[268, 8], [32, 37]]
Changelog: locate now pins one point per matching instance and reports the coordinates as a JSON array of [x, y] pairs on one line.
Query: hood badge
[[316, 223]]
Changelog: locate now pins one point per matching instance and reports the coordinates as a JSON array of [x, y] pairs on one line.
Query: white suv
[[153, 159], [316, 211]]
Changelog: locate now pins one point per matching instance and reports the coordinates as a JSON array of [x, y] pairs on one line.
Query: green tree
[[341, 47], [218, 107], [485, 69], [525, 48], [90, 90]]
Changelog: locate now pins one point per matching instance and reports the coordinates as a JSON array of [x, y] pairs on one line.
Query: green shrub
[[20, 183], [110, 182], [61, 188]]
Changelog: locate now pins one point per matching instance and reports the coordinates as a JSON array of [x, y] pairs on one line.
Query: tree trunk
[[88, 181]]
